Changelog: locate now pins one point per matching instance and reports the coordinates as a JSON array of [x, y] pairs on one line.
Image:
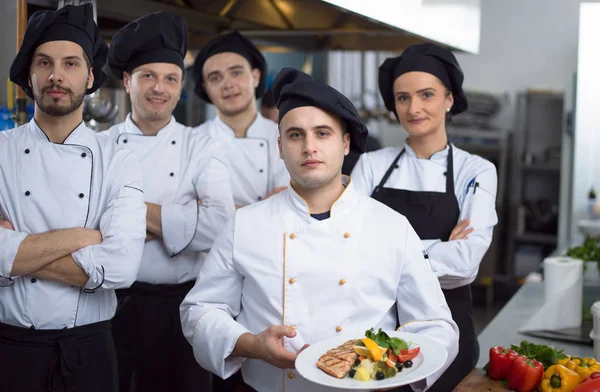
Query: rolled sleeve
[[179, 224], [208, 311], [421, 305], [10, 240], [114, 263], [195, 227]]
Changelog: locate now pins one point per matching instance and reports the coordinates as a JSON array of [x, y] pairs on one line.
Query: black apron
[[152, 352], [58, 360], [433, 215]]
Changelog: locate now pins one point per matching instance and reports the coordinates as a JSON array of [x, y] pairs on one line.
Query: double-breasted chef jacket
[[180, 166], [254, 164], [84, 182], [456, 263], [363, 267]]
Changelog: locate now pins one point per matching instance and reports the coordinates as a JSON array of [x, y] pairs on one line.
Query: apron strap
[[390, 170], [450, 171]]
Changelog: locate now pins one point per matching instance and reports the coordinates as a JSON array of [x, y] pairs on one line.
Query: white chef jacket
[[275, 264], [456, 263], [179, 167], [84, 182], [255, 166]]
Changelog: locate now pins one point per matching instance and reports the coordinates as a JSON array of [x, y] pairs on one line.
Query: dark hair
[[268, 100]]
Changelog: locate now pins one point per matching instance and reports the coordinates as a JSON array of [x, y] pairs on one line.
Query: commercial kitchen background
[[530, 73]]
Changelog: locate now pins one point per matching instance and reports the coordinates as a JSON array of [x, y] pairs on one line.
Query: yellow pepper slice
[[374, 349]]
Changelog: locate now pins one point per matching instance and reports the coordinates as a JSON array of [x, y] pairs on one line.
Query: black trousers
[[460, 303], [152, 352], [70, 360]]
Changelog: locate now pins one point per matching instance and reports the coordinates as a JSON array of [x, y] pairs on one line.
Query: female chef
[[447, 194]]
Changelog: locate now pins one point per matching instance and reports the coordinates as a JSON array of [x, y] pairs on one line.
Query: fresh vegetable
[[592, 376], [351, 373], [545, 354], [407, 355], [592, 385], [379, 376], [362, 374], [558, 378], [525, 374], [501, 360], [408, 364], [582, 366], [589, 251], [383, 340], [374, 349], [380, 367]]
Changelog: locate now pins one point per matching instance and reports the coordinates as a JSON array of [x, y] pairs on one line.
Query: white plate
[[431, 358]]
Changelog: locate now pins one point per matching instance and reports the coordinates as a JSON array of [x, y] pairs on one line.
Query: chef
[[189, 199], [447, 194], [312, 262], [72, 217], [231, 73]]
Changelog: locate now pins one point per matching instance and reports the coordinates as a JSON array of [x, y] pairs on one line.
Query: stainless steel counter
[[502, 330]]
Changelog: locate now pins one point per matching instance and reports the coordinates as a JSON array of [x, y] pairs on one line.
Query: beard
[[51, 107]]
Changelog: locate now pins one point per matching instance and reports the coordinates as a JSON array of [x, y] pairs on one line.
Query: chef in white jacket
[[231, 73], [312, 262], [72, 217], [189, 199], [447, 194]]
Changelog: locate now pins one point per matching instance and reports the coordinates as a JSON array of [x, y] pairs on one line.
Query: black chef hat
[[293, 89], [160, 37], [428, 58], [236, 43], [69, 23]]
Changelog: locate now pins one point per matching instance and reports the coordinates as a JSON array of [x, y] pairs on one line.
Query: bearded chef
[[189, 200], [447, 194], [231, 73], [346, 263], [72, 217]]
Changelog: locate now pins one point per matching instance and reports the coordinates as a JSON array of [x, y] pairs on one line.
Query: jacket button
[[346, 235], [173, 142], [81, 195], [293, 327], [27, 151], [342, 281], [33, 280], [292, 236], [83, 155], [27, 193], [171, 174], [125, 141], [338, 328], [291, 376], [65, 327], [32, 328], [262, 144], [292, 280], [261, 170], [259, 198]]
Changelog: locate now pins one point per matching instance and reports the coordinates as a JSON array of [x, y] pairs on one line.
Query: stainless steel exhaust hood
[[310, 25]]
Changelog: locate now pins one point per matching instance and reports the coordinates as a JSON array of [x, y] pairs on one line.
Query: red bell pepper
[[501, 360], [589, 385], [591, 377], [525, 374]]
